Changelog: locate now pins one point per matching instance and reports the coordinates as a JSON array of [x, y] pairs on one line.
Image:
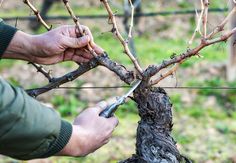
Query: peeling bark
[[154, 143]]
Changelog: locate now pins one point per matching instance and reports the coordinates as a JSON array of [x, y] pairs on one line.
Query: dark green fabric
[[6, 34], [29, 129], [61, 141]]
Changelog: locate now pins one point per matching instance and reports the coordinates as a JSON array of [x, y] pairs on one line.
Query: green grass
[[69, 105], [225, 98], [6, 63], [157, 50]]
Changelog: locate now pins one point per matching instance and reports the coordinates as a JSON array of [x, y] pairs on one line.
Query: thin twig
[[1, 3], [153, 69], [115, 30], [125, 75], [131, 20], [64, 79], [40, 69], [221, 26], [205, 17], [78, 26], [74, 18], [37, 14], [222, 38], [40, 19], [163, 76], [119, 70], [198, 27]]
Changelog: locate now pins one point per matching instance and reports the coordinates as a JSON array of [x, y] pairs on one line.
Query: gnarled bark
[[154, 143]]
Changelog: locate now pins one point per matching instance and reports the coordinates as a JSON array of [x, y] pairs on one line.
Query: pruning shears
[[110, 110]]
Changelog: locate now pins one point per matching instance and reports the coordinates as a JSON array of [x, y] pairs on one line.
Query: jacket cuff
[[61, 141], [6, 33]]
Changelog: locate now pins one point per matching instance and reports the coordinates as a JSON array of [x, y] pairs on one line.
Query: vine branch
[[124, 74], [103, 60], [124, 42], [198, 27], [131, 20], [221, 26], [153, 69], [205, 41], [40, 19], [37, 14], [78, 26], [40, 69], [163, 76], [205, 17]]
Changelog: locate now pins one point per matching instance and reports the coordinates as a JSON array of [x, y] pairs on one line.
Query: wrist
[[20, 47], [74, 147]]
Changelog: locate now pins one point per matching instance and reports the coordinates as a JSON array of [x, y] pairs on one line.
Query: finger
[[87, 56], [97, 48], [88, 32], [114, 121], [80, 42], [84, 53], [79, 59], [68, 54], [101, 106]]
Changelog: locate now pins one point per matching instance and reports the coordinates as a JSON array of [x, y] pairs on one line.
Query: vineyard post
[[231, 66]]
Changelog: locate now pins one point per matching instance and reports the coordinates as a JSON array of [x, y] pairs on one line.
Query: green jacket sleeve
[[6, 34], [29, 129]]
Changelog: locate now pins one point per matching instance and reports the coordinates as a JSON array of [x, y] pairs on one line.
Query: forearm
[[78, 144], [21, 47], [33, 130], [73, 147]]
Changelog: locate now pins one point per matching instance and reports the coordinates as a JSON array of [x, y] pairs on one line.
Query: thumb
[[101, 106], [80, 42], [114, 121]]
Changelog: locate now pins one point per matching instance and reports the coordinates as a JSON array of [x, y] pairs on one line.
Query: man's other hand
[[58, 45], [90, 132]]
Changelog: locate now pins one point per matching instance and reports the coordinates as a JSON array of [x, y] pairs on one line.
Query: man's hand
[[90, 132], [57, 45]]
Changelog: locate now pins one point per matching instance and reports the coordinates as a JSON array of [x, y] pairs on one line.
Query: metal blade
[[132, 89], [121, 100]]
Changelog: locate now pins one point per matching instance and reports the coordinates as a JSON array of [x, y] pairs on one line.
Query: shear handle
[[109, 111]]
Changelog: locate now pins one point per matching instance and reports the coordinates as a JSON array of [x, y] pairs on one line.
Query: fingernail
[[102, 104]]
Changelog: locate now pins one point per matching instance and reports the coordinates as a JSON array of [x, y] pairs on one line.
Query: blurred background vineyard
[[204, 119]]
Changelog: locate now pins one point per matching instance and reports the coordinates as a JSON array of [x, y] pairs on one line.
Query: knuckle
[[86, 28], [80, 40]]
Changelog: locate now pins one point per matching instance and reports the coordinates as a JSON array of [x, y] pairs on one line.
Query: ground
[[204, 120]]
